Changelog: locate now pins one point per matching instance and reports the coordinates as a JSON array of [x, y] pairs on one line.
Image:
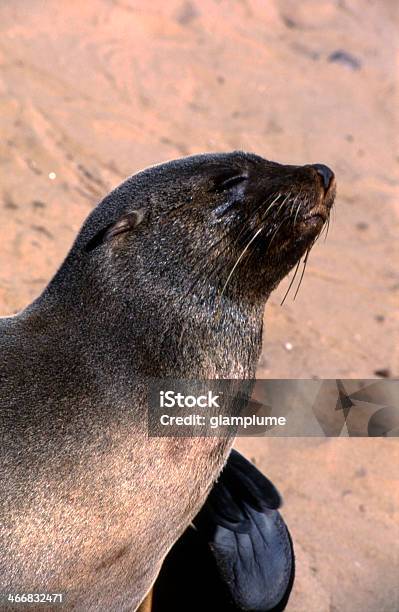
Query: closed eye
[[231, 182]]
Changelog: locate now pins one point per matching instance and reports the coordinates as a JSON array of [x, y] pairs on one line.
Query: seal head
[[200, 214], [201, 240]]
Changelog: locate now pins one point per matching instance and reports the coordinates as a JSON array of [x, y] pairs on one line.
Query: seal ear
[[124, 224]]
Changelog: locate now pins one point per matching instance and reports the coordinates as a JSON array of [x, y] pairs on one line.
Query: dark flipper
[[237, 556], [247, 536]]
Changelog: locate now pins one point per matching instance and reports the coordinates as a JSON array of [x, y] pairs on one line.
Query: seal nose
[[326, 174]]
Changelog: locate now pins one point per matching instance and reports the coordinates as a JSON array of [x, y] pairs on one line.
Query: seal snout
[[326, 175]]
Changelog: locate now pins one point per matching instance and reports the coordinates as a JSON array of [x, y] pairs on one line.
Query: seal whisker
[[293, 204], [274, 235], [291, 283], [253, 214], [213, 247], [283, 202], [267, 212], [227, 234], [305, 261], [328, 227], [270, 243], [324, 230], [268, 209], [297, 212], [241, 256], [296, 198]]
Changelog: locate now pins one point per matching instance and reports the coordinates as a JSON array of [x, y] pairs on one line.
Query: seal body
[[167, 279]]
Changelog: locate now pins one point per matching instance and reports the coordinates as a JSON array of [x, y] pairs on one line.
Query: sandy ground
[[90, 92]]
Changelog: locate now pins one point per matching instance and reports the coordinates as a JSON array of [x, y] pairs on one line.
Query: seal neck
[[149, 334]]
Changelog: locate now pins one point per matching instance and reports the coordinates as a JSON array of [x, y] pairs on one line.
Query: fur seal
[[168, 277]]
